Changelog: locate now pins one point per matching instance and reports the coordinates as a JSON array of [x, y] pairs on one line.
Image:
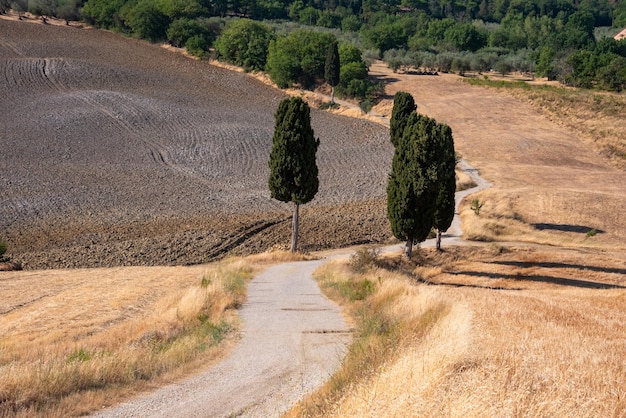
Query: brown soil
[[124, 153]]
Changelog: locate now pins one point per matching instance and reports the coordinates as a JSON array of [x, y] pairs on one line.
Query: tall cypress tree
[[403, 107], [332, 68], [293, 169], [446, 179], [412, 186]]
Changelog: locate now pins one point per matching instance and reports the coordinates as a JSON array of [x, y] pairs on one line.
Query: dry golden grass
[[389, 315], [76, 340], [599, 118], [525, 332]]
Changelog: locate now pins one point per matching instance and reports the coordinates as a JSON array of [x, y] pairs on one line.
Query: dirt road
[[293, 340]]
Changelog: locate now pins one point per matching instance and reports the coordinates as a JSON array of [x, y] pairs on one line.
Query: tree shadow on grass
[[580, 229], [548, 264], [584, 284]]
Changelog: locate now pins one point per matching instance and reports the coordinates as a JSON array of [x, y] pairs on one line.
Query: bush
[[245, 43], [197, 46], [299, 57], [363, 259]]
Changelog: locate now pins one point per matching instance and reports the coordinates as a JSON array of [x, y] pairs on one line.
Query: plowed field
[[117, 152]]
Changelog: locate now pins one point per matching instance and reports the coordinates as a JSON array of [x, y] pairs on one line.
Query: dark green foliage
[[68, 10], [403, 107], [332, 65], [245, 43], [104, 13], [349, 53], [545, 33], [182, 29], [412, 187], [3, 250], [43, 8], [5, 6], [298, 58], [293, 169], [197, 46], [465, 37], [146, 21], [386, 36], [176, 9], [602, 66], [446, 178]]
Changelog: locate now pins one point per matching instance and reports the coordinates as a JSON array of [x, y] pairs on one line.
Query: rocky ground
[[118, 152]]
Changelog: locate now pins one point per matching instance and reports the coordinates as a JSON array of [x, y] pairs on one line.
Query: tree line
[[551, 38], [422, 183]]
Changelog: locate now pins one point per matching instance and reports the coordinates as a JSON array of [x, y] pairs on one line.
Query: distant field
[[119, 152], [551, 184]]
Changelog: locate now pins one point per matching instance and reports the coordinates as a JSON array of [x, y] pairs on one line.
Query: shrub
[[245, 43], [476, 206], [364, 259]]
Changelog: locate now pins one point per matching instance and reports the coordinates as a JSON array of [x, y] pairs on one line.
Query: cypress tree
[[412, 186], [403, 107], [445, 203], [332, 68], [293, 169]]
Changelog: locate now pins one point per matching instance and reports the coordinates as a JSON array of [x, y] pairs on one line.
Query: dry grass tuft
[[68, 337]]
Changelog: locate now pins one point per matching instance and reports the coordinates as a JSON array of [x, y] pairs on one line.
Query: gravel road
[[293, 340]]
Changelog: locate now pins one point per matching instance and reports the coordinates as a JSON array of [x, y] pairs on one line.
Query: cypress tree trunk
[[409, 248], [438, 240], [294, 227], [332, 94]]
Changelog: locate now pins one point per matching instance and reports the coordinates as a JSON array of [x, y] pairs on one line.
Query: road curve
[[293, 340]]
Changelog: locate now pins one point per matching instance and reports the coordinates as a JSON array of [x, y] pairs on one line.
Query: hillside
[[123, 153]]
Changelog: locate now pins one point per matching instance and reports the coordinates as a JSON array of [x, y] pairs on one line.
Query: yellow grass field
[[78, 340], [531, 324], [526, 332]]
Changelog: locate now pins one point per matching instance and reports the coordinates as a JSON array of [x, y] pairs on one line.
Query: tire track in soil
[[11, 47], [243, 234]]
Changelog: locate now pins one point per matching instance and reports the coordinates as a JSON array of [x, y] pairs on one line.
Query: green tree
[[182, 29], [412, 185], [465, 37], [446, 179], [298, 58], [293, 169], [386, 36], [146, 20], [3, 249], [68, 10], [403, 107], [103, 13], [245, 43], [332, 69]]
